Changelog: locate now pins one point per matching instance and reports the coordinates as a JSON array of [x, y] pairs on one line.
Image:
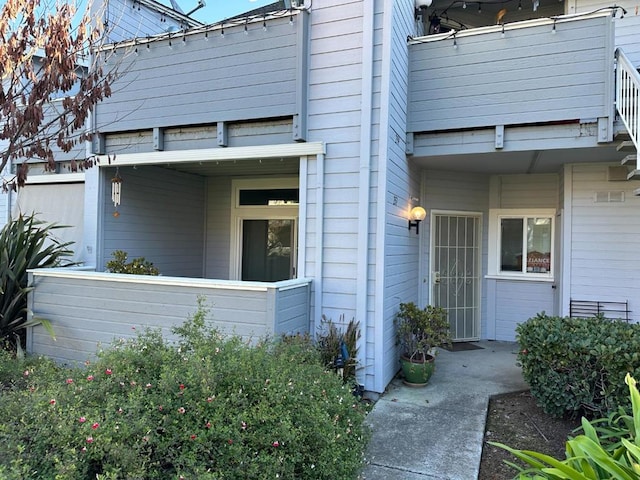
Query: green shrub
[[205, 407], [137, 266], [607, 448], [576, 366], [25, 243]]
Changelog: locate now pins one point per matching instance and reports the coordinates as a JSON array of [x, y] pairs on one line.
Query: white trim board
[[214, 154]]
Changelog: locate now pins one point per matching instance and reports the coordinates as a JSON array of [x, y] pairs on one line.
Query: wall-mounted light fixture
[[420, 6], [416, 215]]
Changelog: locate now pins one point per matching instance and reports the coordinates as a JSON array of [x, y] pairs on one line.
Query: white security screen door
[[455, 271]]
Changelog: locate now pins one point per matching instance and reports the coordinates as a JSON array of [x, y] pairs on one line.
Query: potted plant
[[418, 332]]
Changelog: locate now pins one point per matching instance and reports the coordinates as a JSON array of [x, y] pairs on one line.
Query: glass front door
[[267, 250]]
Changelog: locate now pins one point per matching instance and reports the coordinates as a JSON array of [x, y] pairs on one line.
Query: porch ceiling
[[537, 161], [246, 167]]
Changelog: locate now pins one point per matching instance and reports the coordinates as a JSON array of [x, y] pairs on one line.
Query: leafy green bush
[[606, 449], [137, 266], [205, 407], [576, 366], [25, 243]]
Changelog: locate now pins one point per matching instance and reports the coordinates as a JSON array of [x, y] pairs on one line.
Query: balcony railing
[[538, 71], [628, 95], [87, 309]]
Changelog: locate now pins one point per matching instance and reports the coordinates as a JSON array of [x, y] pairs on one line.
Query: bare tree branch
[[47, 90]]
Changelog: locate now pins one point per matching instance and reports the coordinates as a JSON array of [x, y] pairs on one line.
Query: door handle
[[436, 278]]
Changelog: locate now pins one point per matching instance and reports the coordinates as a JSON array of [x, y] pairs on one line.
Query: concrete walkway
[[436, 432]]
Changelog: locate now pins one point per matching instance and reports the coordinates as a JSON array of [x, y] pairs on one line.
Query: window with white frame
[[264, 233], [521, 243]]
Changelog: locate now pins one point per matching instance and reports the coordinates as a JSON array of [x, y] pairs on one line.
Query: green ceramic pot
[[417, 372]]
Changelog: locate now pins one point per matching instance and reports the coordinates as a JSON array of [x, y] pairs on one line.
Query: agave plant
[[599, 453], [25, 243]]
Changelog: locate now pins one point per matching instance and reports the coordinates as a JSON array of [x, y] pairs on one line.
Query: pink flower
[[193, 437], [230, 442], [89, 377], [148, 385], [26, 373], [181, 386], [89, 439], [209, 399], [132, 383], [108, 371], [208, 425], [52, 401], [181, 410], [160, 407], [82, 419], [243, 425], [84, 449], [69, 381], [95, 425], [275, 444], [120, 410]]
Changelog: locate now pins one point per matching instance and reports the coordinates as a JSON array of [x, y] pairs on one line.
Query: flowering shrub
[[577, 366], [207, 407]]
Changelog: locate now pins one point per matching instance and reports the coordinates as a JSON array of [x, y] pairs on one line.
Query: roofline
[[170, 12]]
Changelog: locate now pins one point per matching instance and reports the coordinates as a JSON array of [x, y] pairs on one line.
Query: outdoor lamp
[[416, 215], [421, 5]]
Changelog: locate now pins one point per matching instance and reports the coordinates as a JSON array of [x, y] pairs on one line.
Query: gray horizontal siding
[[161, 218], [125, 19], [516, 302], [604, 239], [107, 307], [292, 310], [206, 79], [530, 76]]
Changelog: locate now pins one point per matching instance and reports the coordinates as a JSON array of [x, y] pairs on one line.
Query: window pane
[[273, 196], [538, 245], [511, 244], [266, 250]]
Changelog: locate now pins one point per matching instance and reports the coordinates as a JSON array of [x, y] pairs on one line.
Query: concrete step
[[626, 146], [631, 158], [634, 175]]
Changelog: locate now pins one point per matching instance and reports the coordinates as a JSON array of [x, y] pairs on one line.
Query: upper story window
[[521, 243]]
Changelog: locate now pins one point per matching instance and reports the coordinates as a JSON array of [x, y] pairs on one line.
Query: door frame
[[430, 273], [259, 212]]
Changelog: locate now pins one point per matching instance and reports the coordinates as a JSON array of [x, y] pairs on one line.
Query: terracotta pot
[[417, 372]]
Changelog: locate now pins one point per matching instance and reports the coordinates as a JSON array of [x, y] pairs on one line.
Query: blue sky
[[216, 10]]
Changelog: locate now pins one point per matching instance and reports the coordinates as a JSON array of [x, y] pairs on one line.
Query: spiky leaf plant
[[25, 243]]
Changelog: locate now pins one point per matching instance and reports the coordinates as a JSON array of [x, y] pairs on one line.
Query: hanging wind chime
[[116, 191]]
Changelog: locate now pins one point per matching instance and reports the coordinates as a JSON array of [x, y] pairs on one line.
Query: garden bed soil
[[517, 421]]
